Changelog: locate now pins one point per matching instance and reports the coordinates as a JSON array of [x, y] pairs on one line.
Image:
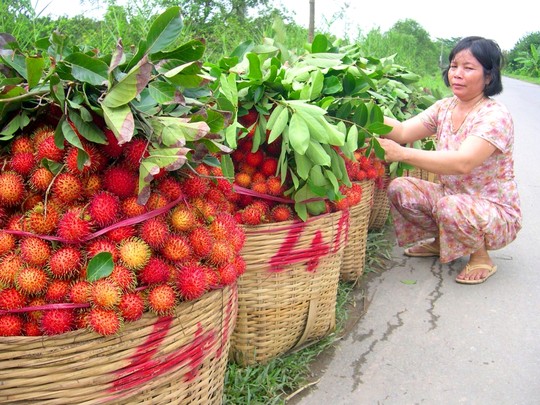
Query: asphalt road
[[425, 339]]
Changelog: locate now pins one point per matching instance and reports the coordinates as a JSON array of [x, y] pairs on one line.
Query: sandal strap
[[481, 266]]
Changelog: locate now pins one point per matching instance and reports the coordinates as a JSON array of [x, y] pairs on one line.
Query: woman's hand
[[393, 151]]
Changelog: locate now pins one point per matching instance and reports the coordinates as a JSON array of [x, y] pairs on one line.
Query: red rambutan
[[11, 325], [134, 253], [11, 298], [12, 189], [131, 306], [105, 293], [104, 208], [176, 248], [40, 179], [120, 180], [67, 187], [191, 281], [161, 299], [154, 231], [74, 225], [23, 163], [57, 321], [65, 262], [34, 250], [105, 322]]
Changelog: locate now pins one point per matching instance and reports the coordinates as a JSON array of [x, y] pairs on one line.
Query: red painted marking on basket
[[287, 254], [147, 364]]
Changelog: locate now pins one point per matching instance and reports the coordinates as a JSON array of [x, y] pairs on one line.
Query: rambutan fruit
[[111, 148], [201, 241], [105, 293], [274, 186], [195, 186], [281, 212], [100, 245], [67, 187], [34, 250], [134, 152], [31, 328], [161, 299], [260, 187], [31, 280], [65, 262], [105, 322], [221, 253], [57, 291], [36, 303], [30, 201], [131, 306], [16, 222], [74, 225], [240, 265], [42, 219], [57, 321], [40, 179], [269, 166], [21, 144], [104, 208], [11, 298], [7, 242], [11, 325], [227, 274], [120, 180], [255, 159], [80, 292], [23, 163], [253, 215], [121, 233], [10, 263], [237, 156], [245, 145], [243, 167], [12, 189], [258, 177], [156, 201], [176, 248], [94, 163], [170, 187], [125, 278], [204, 210], [92, 184], [182, 219], [274, 148], [131, 207], [134, 253], [41, 133], [154, 231], [191, 281], [47, 149]]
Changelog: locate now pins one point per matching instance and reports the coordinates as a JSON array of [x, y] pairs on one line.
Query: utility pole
[[311, 30]]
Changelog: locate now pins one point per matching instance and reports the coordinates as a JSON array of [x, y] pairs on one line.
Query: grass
[[273, 383]]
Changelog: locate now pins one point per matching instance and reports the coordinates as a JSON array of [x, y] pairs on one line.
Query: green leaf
[[87, 129], [352, 138], [165, 30], [100, 266], [254, 72], [335, 136], [165, 93], [303, 165], [316, 129], [34, 67], [379, 128], [279, 124], [190, 51], [129, 86], [87, 69], [70, 135], [316, 153], [227, 166], [320, 44], [121, 121], [408, 282], [175, 132], [299, 134]]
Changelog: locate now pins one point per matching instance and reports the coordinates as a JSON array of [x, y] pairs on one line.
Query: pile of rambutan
[[62, 223]]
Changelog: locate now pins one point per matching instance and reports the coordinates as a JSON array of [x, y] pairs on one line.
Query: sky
[[456, 18]]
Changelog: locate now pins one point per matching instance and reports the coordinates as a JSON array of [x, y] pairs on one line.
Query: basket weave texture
[[381, 205], [423, 174], [354, 253], [287, 295], [178, 359]]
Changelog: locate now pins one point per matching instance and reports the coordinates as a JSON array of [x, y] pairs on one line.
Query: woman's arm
[[407, 131], [472, 153]]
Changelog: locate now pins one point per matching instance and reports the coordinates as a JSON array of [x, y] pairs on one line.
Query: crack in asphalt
[[435, 295]]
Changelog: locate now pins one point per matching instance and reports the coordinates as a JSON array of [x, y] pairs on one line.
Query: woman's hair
[[489, 54]]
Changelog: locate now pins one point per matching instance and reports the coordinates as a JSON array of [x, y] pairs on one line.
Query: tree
[[523, 45]]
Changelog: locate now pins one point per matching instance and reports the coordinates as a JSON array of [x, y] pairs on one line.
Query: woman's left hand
[[393, 151]]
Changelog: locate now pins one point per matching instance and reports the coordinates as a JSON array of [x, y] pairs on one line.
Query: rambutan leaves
[[100, 266]]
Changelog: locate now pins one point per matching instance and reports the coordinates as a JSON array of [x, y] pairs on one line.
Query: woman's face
[[466, 76]]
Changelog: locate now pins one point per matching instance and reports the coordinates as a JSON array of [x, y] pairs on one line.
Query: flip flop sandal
[[428, 250], [469, 269]]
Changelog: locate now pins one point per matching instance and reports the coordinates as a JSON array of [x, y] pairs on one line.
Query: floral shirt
[[494, 179]]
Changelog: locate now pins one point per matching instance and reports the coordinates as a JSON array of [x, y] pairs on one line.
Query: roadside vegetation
[[224, 25]]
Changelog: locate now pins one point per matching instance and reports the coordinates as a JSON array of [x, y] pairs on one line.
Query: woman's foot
[[424, 249], [478, 270]]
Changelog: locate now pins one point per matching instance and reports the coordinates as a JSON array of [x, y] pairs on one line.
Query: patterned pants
[[421, 209]]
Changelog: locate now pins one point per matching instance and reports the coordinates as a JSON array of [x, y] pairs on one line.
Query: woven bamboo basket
[[178, 359], [422, 174], [354, 253], [381, 205], [287, 295]]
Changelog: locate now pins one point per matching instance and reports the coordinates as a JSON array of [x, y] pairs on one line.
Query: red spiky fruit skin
[[31, 328], [94, 163], [21, 144], [12, 189], [227, 274], [221, 253], [131, 208], [201, 241], [67, 188], [182, 219], [254, 159], [11, 325], [74, 225], [112, 148], [125, 278], [65, 262], [191, 281], [252, 215], [47, 149], [157, 271], [23, 163], [105, 322], [161, 299], [170, 188], [176, 248], [134, 152], [42, 220], [11, 298], [80, 292], [104, 208], [119, 234], [100, 245], [57, 321], [155, 232], [104, 293], [57, 291], [131, 306], [121, 181], [134, 253], [10, 264], [7, 242], [274, 186], [281, 212], [31, 280], [195, 186]]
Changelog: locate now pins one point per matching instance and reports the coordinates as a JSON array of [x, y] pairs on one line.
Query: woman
[[475, 207]]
